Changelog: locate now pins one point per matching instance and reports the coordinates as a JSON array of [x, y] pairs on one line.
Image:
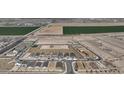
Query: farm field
[[91, 29], [16, 30]]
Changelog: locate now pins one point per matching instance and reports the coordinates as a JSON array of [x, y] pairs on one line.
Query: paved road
[[69, 67]]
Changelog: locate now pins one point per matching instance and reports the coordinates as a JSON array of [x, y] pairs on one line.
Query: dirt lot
[[5, 65]]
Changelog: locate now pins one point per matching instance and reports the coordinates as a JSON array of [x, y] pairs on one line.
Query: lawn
[[91, 29], [16, 30]]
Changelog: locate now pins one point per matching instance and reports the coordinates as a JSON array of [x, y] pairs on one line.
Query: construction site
[[47, 50]]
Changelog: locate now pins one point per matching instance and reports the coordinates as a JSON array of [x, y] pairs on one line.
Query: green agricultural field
[[16, 30], [91, 29]]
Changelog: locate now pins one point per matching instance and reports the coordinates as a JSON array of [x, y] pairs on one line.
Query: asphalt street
[[69, 67]]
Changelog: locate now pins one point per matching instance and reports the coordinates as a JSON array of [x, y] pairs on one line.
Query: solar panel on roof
[[38, 64], [45, 64]]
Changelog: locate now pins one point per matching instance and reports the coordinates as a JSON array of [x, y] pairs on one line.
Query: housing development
[[62, 47]]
